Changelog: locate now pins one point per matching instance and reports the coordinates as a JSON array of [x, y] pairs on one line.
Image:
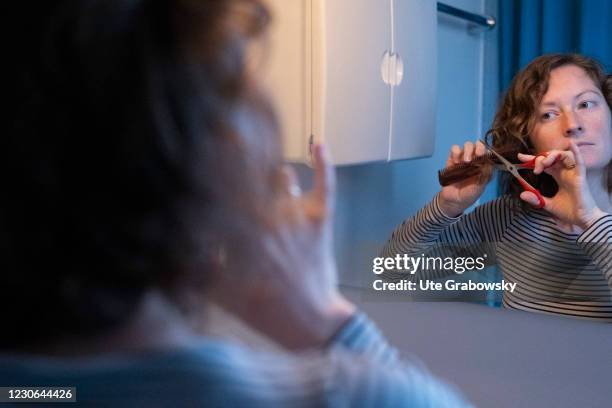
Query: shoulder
[[503, 207], [336, 377], [405, 384], [505, 202]]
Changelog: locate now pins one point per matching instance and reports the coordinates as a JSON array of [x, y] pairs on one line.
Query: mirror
[[375, 198]]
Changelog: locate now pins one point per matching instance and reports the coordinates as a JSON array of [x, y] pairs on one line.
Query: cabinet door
[[323, 72], [351, 103], [286, 73], [414, 99]]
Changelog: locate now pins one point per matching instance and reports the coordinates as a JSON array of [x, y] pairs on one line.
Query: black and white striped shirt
[[555, 272]]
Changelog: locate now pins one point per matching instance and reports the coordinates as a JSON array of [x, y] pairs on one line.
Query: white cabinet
[[357, 74]]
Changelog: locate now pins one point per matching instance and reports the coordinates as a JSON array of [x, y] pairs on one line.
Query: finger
[[551, 157], [455, 154], [285, 179], [324, 187], [468, 151], [532, 199], [288, 182], [292, 182], [289, 191], [480, 148], [539, 166], [565, 159], [525, 157], [549, 162], [578, 160]]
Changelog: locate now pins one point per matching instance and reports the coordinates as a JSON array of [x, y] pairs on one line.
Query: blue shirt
[[358, 369]]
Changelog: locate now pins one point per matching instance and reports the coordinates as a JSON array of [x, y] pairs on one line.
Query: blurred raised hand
[[294, 300]]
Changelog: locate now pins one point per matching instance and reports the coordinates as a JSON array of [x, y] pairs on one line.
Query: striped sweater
[[555, 272]]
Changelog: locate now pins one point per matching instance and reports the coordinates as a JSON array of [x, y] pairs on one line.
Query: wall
[[373, 199]]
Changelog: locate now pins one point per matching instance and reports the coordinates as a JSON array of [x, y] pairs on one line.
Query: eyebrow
[[597, 92]]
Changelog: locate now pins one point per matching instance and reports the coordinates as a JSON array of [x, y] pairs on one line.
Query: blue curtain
[[529, 28]]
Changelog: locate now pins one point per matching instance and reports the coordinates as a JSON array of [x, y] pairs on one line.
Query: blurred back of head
[[132, 128]]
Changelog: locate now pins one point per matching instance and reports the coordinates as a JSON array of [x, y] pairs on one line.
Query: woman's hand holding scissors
[[573, 203]]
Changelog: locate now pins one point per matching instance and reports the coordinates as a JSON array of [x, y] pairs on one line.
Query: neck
[[598, 185]]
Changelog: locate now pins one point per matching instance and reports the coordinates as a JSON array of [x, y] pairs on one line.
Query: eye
[[546, 116], [586, 104]]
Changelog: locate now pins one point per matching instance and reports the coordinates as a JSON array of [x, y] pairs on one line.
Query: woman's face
[[574, 108]]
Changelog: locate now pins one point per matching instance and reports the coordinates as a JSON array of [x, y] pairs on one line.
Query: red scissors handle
[[513, 169], [531, 163], [528, 187]]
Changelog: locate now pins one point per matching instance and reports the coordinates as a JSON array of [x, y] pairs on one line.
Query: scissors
[[514, 168]]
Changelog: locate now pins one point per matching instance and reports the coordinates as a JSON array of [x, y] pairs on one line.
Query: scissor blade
[[505, 162]]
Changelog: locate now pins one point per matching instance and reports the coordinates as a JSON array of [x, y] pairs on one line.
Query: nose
[[573, 124]]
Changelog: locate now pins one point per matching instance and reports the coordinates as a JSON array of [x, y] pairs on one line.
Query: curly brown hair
[[516, 116]]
